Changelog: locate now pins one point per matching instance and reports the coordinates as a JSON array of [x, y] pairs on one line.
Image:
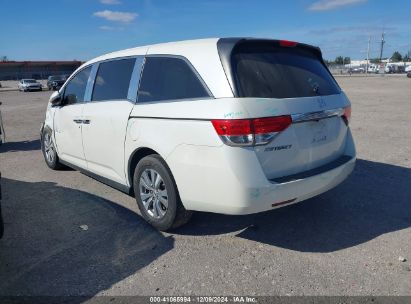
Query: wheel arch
[[137, 155]]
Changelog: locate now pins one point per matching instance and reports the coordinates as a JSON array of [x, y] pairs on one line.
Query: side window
[[113, 79], [166, 78], [76, 87]]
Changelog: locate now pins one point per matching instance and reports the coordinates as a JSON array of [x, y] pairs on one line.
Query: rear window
[[270, 71]]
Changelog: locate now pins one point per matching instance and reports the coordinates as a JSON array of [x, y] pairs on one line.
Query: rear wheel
[[49, 150], [157, 195]]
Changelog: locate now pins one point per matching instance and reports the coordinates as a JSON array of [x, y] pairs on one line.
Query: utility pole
[[382, 45], [368, 55]]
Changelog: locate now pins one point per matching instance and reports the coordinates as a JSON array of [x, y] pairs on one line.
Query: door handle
[[83, 121]]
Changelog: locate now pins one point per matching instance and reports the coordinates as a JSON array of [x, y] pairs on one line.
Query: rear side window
[[269, 71], [76, 87], [113, 79], [166, 78]]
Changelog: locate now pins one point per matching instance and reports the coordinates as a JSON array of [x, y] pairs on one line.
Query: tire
[[49, 150], [170, 212]]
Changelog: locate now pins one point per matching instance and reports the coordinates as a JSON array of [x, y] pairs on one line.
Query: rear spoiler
[[226, 46]]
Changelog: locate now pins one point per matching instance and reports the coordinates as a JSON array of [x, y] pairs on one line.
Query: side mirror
[[56, 99]]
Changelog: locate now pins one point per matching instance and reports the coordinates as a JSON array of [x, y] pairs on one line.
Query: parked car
[[408, 68], [233, 126], [392, 68], [409, 74], [373, 69], [29, 85], [357, 70], [55, 82]]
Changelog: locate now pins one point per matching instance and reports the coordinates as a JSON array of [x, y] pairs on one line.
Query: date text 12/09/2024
[[203, 299]]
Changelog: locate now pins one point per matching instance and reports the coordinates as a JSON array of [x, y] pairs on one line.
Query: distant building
[[14, 70], [363, 63]]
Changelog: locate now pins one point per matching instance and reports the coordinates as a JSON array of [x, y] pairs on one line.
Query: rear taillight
[[248, 132], [347, 115]]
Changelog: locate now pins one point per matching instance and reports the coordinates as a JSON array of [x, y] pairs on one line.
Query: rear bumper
[[231, 181]]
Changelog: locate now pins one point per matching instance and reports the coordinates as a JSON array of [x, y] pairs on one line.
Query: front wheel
[[157, 195], [49, 150]]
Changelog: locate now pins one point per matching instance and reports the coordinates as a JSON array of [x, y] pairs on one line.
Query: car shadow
[[26, 145], [374, 200], [64, 242]]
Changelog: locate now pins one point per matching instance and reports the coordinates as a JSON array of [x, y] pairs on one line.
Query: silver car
[[29, 85]]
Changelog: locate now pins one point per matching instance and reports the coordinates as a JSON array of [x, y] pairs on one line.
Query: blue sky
[[83, 29]]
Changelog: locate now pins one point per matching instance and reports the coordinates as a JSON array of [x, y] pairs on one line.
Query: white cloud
[[110, 2], [110, 28], [325, 5], [116, 16]]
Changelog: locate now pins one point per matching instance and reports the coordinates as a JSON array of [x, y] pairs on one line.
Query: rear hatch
[[283, 78]]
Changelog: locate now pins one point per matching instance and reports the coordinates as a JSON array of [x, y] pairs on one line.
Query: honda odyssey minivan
[[231, 125]]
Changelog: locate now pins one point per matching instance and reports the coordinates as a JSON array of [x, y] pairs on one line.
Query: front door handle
[[86, 121]]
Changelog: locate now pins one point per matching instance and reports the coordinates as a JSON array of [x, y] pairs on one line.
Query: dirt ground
[[345, 242]]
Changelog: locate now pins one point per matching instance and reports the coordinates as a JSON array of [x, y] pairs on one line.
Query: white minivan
[[230, 125]]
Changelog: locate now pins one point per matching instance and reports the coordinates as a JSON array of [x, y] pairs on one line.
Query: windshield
[[29, 81], [269, 71], [56, 78]]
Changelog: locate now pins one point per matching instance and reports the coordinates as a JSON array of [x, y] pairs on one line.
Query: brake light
[[232, 126], [271, 124], [347, 115], [248, 132], [287, 43]]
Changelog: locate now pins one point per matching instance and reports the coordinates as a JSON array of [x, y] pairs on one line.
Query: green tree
[[4, 58], [347, 60], [339, 60], [396, 56]]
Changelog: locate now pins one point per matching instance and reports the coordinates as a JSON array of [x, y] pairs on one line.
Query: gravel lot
[[345, 242]]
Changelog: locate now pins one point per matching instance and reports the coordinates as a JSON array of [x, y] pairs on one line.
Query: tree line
[[395, 57]]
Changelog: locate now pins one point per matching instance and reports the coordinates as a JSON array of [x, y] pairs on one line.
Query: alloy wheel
[[153, 193], [49, 150]]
